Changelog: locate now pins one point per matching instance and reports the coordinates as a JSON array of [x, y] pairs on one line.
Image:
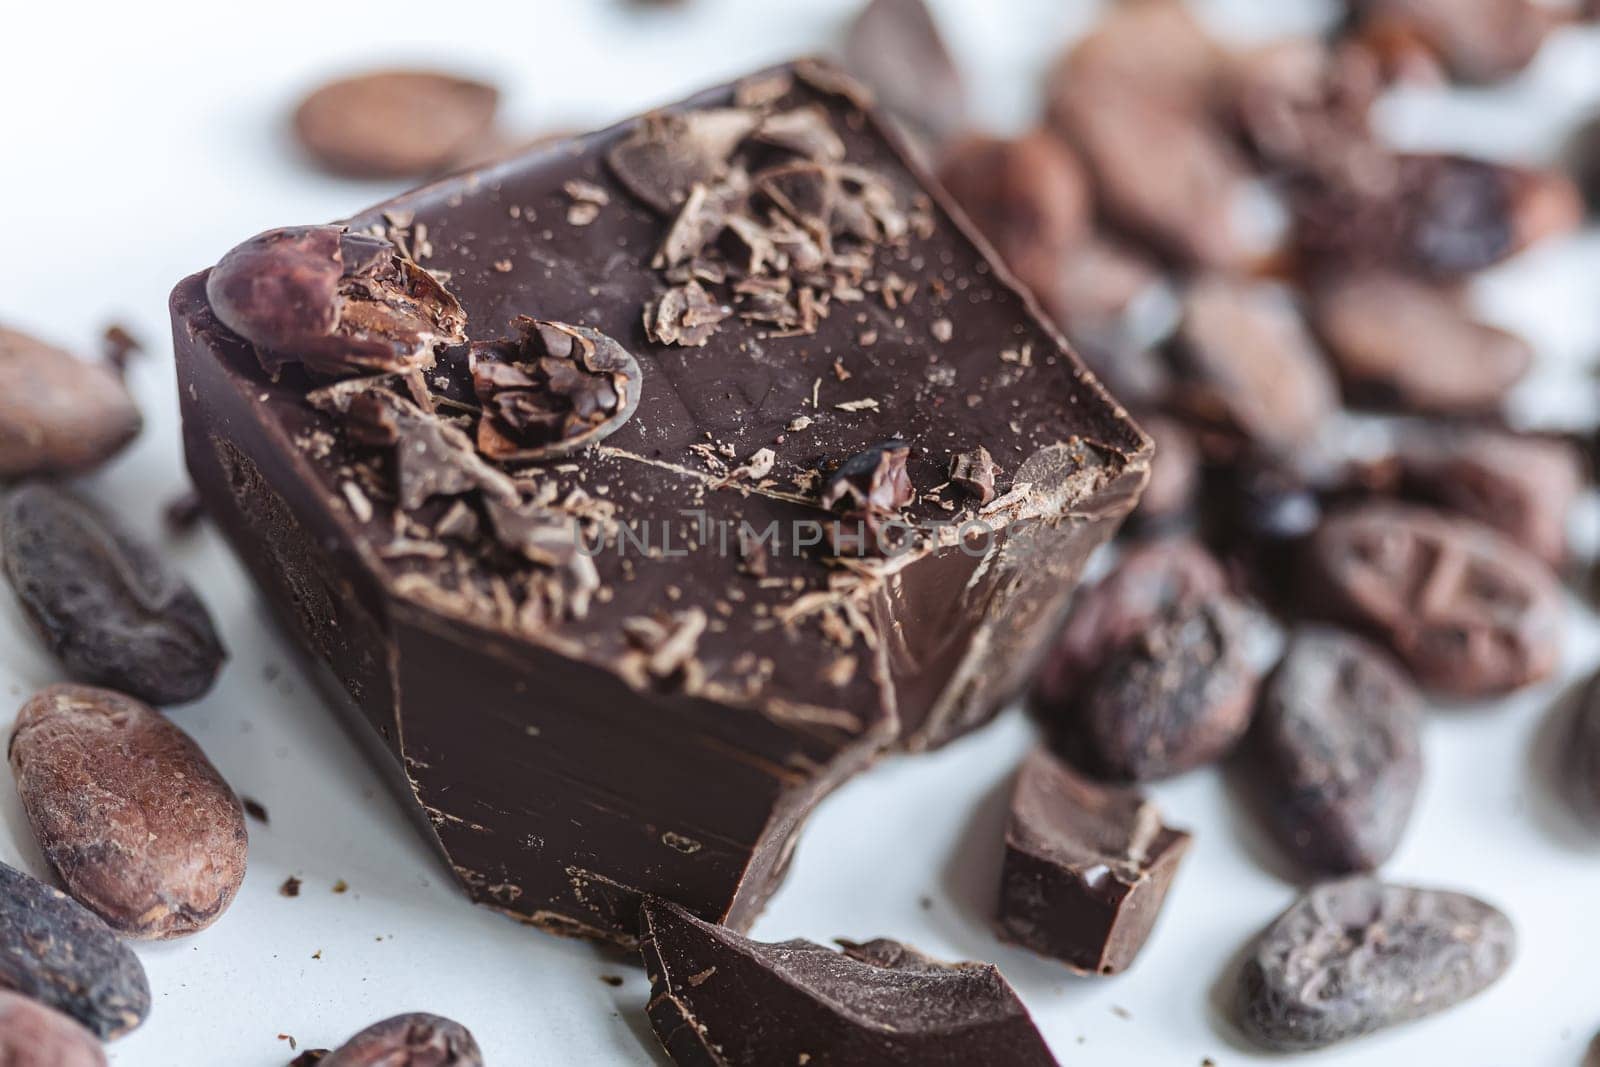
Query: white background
[[138, 142]]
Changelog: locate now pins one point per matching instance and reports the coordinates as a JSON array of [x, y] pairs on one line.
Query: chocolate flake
[[669, 153], [551, 390]]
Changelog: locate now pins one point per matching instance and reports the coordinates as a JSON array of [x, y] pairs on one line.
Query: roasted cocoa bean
[[414, 1040], [105, 603], [58, 414], [136, 822], [32, 1035]]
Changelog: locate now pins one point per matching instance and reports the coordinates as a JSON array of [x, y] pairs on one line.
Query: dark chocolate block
[[721, 1000], [1087, 867], [662, 723]]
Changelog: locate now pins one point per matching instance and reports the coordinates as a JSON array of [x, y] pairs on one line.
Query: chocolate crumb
[[341, 886], [290, 887], [255, 809], [613, 980]]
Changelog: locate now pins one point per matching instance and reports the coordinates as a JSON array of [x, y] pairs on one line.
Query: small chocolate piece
[[1029, 196], [721, 1000], [106, 605], [135, 821], [1468, 612], [1247, 367], [336, 301], [1520, 484], [1353, 956], [1473, 41], [57, 952], [395, 123], [58, 414], [1398, 342], [32, 1035], [413, 1040], [1176, 697], [1151, 580], [551, 390], [1174, 473], [1087, 867], [1337, 742], [973, 473], [873, 480], [894, 47], [1438, 216]]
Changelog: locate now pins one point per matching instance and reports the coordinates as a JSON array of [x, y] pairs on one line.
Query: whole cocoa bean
[[58, 414], [56, 951], [414, 1040], [105, 603], [137, 823], [32, 1035]]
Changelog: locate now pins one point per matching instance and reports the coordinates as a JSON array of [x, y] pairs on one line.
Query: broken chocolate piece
[[894, 47], [1398, 342], [1468, 612], [336, 301], [1353, 956], [873, 480], [1086, 870], [1337, 741], [58, 414], [396, 123], [721, 1000], [104, 603], [551, 390], [973, 473]]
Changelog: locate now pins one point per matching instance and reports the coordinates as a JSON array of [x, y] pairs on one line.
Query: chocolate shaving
[[669, 153], [551, 390], [805, 131], [337, 302]]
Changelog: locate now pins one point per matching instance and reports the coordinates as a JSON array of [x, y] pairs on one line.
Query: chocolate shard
[[1353, 956], [1087, 867], [895, 48], [721, 1000], [1337, 743], [335, 301]]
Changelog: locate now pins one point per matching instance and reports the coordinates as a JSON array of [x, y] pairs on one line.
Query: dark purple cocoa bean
[[1178, 696], [395, 124], [414, 1040], [1246, 366], [32, 1035], [1353, 956], [58, 414], [106, 604], [1398, 342], [1337, 745], [136, 822], [1468, 612], [1150, 580], [56, 951]]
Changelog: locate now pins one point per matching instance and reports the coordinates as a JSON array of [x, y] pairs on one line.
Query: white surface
[[139, 142]]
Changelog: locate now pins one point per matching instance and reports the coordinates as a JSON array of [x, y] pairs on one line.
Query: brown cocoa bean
[[414, 1040], [58, 414], [136, 822], [32, 1035]]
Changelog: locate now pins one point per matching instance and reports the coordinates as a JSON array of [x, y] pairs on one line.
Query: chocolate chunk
[[1353, 956], [135, 821], [1176, 697], [721, 1000], [1029, 196], [419, 595], [1468, 612], [551, 390], [336, 301], [395, 123], [1438, 216], [1476, 41], [57, 952], [1151, 580], [974, 473], [872, 480], [32, 1035], [1247, 367], [1087, 868], [106, 605], [1522, 485], [1401, 343], [1337, 741], [58, 414], [1174, 473], [894, 47], [414, 1040]]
